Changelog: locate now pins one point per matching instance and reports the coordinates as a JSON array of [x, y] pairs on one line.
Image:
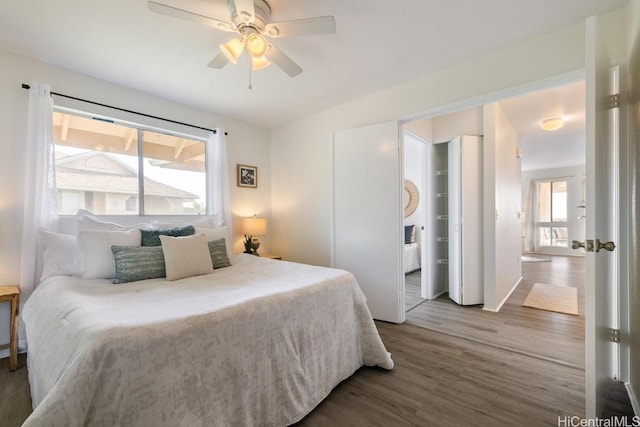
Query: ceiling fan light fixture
[[256, 45], [259, 63], [232, 50], [552, 123]]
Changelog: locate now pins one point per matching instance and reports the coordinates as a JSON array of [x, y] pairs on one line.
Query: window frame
[[141, 128], [539, 225]]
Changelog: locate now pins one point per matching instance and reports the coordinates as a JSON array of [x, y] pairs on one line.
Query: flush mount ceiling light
[[552, 123], [250, 19]]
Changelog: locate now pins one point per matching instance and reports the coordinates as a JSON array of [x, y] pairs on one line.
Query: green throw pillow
[[152, 237], [218, 251], [135, 263]]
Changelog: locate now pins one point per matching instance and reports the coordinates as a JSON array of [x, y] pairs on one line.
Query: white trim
[[497, 309], [635, 404]]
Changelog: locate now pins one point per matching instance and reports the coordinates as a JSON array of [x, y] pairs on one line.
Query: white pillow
[[95, 251], [212, 234], [86, 221], [58, 254], [197, 222], [186, 256]]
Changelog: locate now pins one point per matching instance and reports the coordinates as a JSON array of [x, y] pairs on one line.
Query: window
[[552, 214], [112, 168]]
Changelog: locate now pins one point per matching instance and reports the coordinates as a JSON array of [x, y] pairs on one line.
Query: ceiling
[[378, 44], [543, 149]]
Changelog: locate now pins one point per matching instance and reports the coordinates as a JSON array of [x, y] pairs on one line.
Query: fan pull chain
[[250, 86]]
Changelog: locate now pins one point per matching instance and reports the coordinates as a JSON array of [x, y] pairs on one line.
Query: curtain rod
[[26, 86]]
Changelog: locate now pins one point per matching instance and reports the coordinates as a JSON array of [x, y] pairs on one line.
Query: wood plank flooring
[[412, 296], [553, 336]]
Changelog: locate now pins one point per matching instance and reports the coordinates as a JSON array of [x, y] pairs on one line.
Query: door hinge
[[614, 100], [614, 335]]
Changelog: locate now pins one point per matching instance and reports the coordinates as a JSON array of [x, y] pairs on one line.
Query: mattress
[[259, 343], [411, 257]]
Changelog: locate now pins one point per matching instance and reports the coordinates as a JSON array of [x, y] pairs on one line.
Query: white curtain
[[218, 191], [531, 217], [40, 204]]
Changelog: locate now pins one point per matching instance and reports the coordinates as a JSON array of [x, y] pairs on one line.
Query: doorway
[[541, 160]]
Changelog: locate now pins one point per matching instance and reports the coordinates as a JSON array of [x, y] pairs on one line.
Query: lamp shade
[[255, 226], [232, 50]]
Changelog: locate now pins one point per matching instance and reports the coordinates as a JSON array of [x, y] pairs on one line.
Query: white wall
[[575, 194], [502, 199], [413, 152], [464, 122], [247, 144], [300, 155]]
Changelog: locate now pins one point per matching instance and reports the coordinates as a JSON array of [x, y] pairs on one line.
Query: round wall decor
[[410, 197]]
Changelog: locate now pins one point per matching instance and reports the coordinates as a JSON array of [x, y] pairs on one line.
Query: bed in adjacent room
[[256, 342]]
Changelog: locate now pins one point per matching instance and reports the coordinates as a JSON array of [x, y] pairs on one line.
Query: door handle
[[587, 245], [607, 246], [577, 245], [593, 246]]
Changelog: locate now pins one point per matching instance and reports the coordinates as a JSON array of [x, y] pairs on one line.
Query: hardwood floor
[[547, 335], [412, 296]]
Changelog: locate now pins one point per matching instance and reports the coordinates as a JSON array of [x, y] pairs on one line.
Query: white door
[[465, 220], [601, 283], [367, 214]]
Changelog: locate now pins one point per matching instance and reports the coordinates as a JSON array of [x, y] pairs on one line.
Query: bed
[[259, 342], [411, 250]]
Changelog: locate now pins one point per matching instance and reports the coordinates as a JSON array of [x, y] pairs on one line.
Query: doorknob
[[593, 245], [577, 245], [587, 245], [608, 246]]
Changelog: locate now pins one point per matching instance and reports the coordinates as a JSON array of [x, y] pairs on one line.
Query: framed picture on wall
[[247, 176]]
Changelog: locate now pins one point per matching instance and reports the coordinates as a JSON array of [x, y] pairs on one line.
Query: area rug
[[562, 299]]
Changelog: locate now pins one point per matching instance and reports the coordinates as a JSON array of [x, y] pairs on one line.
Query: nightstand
[[12, 294], [271, 256]]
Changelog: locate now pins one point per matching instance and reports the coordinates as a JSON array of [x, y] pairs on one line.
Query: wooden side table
[[12, 294]]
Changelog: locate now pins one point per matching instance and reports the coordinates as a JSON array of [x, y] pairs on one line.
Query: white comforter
[[259, 343]]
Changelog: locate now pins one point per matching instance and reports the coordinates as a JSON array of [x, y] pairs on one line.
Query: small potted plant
[[248, 244]]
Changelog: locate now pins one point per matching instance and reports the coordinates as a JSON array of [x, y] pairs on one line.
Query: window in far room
[[552, 214], [109, 168]]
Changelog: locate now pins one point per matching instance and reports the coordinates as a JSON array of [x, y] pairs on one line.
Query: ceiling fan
[[250, 19]]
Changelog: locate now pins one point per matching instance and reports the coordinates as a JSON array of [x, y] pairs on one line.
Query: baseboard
[[634, 399], [497, 309], [4, 353]]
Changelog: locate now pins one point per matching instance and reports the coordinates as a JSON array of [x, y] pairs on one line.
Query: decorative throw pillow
[[409, 234], [186, 256], [135, 263], [58, 254], [152, 237], [218, 252], [95, 251], [217, 233]]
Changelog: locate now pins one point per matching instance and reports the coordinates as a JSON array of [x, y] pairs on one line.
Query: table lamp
[[253, 227]]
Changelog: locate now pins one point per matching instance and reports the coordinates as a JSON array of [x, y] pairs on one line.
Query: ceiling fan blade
[[219, 61], [301, 27], [285, 63], [246, 10], [163, 9]]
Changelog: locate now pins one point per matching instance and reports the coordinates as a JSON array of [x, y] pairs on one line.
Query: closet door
[[367, 214], [465, 221]]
